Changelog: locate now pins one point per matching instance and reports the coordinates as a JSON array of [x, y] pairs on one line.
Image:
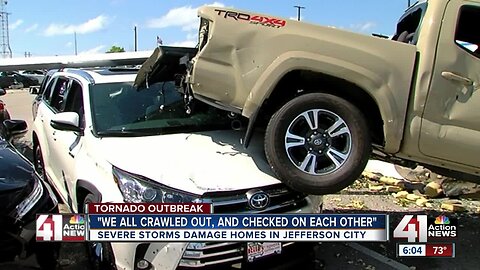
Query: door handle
[[457, 78]]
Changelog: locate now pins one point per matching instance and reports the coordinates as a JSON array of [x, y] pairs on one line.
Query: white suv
[[97, 138]]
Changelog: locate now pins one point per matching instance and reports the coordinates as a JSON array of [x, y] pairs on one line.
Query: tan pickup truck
[[327, 97]]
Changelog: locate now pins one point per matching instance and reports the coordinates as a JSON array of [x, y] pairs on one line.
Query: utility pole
[[299, 8], [135, 38], [408, 3], [75, 41]]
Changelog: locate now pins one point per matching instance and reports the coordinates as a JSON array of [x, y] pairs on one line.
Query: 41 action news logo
[[68, 227], [421, 228]]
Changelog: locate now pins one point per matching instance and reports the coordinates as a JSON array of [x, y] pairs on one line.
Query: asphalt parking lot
[[326, 255]]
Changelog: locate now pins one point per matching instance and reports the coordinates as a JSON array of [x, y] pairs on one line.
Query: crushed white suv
[[97, 138]]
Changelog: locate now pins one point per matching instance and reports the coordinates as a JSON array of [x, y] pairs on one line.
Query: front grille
[[207, 255], [215, 254], [281, 200]]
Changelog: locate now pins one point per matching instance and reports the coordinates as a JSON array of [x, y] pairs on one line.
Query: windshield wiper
[[123, 133]]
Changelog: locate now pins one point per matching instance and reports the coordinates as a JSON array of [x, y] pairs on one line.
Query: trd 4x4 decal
[[253, 19]]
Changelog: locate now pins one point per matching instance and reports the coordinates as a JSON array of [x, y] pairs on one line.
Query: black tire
[[100, 255], [287, 165], [38, 162]]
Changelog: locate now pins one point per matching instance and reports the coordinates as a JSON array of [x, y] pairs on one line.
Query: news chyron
[[426, 236], [126, 222]]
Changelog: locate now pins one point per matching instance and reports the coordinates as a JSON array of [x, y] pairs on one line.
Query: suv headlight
[[137, 189]]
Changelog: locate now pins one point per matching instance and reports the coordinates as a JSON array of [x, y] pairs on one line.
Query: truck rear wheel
[[317, 143]]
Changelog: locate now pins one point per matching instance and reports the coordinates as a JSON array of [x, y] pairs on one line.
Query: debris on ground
[[433, 190], [454, 188], [356, 204], [453, 205], [417, 187]]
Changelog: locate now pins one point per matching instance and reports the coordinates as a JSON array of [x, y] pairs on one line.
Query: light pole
[[135, 38], [75, 41], [299, 8]]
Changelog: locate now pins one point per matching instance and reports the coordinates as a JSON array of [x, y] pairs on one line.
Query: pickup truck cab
[[326, 97]]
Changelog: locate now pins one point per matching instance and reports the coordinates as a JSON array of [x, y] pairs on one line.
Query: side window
[[408, 27], [467, 35], [74, 101], [47, 90], [58, 94]]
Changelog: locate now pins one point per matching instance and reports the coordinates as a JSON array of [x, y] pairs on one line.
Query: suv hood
[[196, 163]]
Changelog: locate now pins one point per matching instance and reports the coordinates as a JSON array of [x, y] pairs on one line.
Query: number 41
[[407, 228]]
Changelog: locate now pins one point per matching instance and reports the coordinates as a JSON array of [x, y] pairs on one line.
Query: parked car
[[4, 115], [14, 79], [23, 194], [107, 141], [6, 81], [37, 75]]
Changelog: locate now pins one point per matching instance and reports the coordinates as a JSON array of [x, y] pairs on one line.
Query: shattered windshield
[[120, 109]]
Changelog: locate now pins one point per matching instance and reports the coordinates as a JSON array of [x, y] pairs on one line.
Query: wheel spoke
[[312, 123], [336, 157], [311, 160], [332, 130], [341, 131], [292, 140]]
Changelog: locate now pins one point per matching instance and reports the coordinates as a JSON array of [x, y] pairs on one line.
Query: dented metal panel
[[238, 69]]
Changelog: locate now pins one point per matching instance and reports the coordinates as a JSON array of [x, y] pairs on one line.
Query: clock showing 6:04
[[411, 250]]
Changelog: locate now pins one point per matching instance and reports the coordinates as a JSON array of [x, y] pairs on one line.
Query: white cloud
[[69, 44], [363, 27], [184, 17], [31, 28], [98, 49], [92, 25], [185, 43], [192, 36], [16, 24]]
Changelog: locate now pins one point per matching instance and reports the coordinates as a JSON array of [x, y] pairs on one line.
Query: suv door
[[66, 144], [450, 126], [40, 108], [51, 104]]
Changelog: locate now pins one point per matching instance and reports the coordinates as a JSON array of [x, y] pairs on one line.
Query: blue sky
[[47, 27]]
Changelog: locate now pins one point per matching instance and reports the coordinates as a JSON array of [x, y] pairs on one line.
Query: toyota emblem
[[258, 199]]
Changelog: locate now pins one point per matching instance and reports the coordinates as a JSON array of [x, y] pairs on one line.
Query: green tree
[[115, 49]]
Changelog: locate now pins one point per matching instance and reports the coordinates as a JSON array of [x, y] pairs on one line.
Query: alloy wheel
[[318, 142]]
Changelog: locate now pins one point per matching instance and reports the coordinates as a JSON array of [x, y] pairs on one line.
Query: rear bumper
[[217, 255]]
